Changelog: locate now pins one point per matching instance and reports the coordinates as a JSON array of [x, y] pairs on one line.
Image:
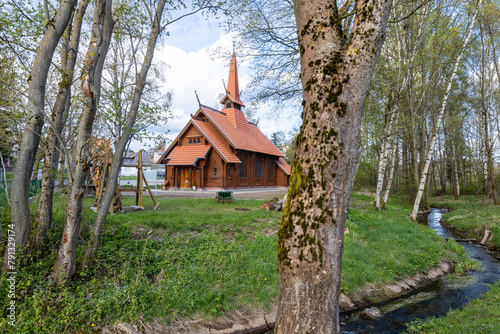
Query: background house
[[132, 158]]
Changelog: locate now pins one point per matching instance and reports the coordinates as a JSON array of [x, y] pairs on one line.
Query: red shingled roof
[[248, 138], [284, 166], [187, 155], [210, 133]]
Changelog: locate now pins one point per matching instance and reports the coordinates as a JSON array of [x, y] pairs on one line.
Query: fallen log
[[485, 238]]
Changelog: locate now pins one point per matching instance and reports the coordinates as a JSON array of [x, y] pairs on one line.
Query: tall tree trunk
[[20, 212], [430, 151], [391, 172], [489, 156], [103, 21], [69, 54], [336, 78], [385, 147], [442, 170], [126, 134], [456, 184]]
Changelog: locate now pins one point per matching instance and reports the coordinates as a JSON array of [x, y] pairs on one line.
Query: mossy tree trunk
[[337, 68]]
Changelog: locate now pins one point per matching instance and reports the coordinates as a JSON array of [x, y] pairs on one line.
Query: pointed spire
[[233, 88]]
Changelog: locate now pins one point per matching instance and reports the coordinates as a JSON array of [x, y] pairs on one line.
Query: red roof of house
[[187, 155], [210, 133], [284, 166], [248, 137]]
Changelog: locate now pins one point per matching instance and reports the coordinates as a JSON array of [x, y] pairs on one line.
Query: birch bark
[[391, 172], [430, 151], [383, 160]]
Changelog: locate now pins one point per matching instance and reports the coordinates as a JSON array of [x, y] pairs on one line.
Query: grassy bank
[[470, 216], [479, 316], [196, 258]]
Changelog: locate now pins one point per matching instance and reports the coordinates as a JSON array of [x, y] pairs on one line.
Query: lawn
[[197, 258]]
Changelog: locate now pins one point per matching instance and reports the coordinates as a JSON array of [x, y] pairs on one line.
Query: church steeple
[[233, 88]]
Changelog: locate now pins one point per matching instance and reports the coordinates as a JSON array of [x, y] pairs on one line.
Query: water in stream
[[434, 300]]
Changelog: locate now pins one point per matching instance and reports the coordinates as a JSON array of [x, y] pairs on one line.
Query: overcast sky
[[191, 65]]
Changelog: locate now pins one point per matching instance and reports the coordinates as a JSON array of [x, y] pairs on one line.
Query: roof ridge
[[210, 108]]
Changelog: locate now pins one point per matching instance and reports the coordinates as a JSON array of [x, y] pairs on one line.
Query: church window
[[258, 168], [243, 167], [228, 105], [215, 172], [270, 170]]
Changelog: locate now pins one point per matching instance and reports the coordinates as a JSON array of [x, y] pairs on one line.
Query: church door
[[185, 175]]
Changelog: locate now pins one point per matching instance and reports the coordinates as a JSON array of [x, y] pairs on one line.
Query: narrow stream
[[434, 300]]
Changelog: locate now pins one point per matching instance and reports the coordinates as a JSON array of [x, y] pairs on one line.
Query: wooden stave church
[[222, 150]]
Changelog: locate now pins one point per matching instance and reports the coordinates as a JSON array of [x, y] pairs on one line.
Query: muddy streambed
[[434, 300]]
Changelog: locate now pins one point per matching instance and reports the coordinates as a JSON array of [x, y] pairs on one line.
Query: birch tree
[[339, 47], [430, 150], [392, 167], [384, 153]]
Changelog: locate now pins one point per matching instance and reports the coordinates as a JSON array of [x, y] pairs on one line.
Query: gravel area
[[263, 194]]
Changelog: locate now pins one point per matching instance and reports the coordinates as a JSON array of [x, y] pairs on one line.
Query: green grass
[[131, 177], [480, 316], [470, 215], [194, 257], [134, 178], [384, 246]]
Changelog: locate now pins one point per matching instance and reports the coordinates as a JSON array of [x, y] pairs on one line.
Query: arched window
[[258, 168]]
